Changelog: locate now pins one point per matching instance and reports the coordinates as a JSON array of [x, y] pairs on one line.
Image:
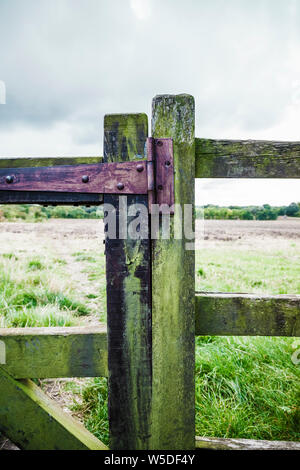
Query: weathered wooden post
[[173, 290], [150, 293], [128, 272]]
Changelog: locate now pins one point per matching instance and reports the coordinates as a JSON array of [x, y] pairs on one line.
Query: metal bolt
[[159, 143], [9, 179], [85, 179], [120, 186], [168, 163], [140, 168], [160, 186]]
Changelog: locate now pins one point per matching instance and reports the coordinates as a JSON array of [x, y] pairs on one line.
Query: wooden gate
[[148, 349]]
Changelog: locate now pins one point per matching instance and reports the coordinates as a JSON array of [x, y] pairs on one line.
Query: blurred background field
[[52, 273]]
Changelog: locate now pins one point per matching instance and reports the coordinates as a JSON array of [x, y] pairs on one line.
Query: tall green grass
[[26, 296]]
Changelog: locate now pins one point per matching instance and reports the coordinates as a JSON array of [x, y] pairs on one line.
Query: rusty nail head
[[9, 179], [140, 168], [120, 186], [168, 163], [160, 143], [85, 179]]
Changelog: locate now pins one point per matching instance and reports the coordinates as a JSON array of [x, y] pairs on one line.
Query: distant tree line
[[264, 212], [36, 213]]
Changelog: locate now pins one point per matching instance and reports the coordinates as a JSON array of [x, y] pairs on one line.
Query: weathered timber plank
[[34, 422], [247, 315], [101, 178], [173, 290], [214, 443], [128, 268], [33, 162], [247, 159], [54, 198], [55, 352]]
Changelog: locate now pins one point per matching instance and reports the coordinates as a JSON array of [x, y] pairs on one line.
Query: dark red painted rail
[[101, 178]]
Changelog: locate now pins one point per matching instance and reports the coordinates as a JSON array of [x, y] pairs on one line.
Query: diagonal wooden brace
[[34, 422]]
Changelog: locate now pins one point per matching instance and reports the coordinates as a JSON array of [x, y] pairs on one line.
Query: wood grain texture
[[215, 443], [55, 352], [102, 178], [33, 162], [247, 315], [48, 197], [173, 291], [247, 159], [34, 422], [128, 268]]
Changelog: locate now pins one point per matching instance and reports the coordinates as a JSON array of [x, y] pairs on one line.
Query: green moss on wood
[[34, 422], [173, 291], [247, 159], [44, 162], [55, 352], [129, 327], [247, 315]]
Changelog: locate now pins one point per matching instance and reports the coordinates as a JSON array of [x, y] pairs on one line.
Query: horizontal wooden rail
[[35, 162], [214, 443], [82, 351], [54, 352], [247, 159], [247, 315], [48, 197]]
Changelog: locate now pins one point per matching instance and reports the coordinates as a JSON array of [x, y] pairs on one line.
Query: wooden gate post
[[173, 291], [128, 273]]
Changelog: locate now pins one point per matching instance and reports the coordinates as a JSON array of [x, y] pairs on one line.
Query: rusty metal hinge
[[154, 176], [160, 171]]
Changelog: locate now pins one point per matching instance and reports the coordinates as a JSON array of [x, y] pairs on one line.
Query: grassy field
[[53, 274]]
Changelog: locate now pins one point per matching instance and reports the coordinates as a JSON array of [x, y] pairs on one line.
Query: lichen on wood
[[173, 290], [34, 422], [247, 314], [128, 268], [247, 159]]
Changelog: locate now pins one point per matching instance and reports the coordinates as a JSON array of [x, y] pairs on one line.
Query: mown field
[[53, 274]]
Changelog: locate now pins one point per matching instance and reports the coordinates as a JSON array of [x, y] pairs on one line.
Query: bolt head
[[140, 168], [120, 186], [159, 143], [85, 179], [9, 179]]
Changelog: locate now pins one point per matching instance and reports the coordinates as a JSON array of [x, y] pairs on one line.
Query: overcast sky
[[66, 63]]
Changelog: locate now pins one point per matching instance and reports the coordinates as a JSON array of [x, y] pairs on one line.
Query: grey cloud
[[75, 60]]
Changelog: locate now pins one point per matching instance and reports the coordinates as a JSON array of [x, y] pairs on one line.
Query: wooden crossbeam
[[48, 197], [215, 443], [35, 162], [247, 159], [55, 352], [34, 422], [247, 315]]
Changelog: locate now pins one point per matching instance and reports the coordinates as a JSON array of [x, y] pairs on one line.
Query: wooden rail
[[247, 159], [82, 351], [48, 197], [214, 443], [247, 315], [55, 352]]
